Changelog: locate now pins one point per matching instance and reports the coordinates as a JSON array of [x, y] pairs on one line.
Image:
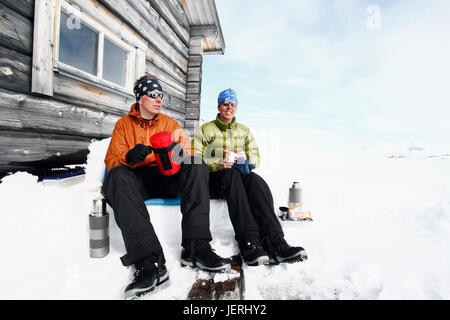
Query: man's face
[[150, 107], [227, 112]]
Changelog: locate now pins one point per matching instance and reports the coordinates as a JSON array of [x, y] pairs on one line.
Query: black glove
[[138, 154]]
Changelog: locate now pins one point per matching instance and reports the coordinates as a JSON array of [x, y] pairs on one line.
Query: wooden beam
[[191, 124], [194, 74], [42, 71], [195, 61], [194, 88], [204, 31], [196, 46], [193, 113], [192, 98]]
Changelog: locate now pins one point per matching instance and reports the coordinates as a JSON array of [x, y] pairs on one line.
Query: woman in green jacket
[[230, 151]]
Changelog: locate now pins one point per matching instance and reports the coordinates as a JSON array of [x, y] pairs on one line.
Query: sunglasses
[[155, 95], [227, 103]]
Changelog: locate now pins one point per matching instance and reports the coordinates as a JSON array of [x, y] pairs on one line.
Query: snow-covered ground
[[381, 229]]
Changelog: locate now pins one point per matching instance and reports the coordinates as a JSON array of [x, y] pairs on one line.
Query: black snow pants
[[250, 204], [126, 189]]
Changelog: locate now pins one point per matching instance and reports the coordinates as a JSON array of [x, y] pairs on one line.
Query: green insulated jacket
[[213, 137]]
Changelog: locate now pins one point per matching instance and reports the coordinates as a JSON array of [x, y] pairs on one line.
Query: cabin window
[[114, 62], [90, 51], [84, 41], [78, 44]]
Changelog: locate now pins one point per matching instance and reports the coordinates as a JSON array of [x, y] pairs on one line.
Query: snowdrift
[[381, 231]]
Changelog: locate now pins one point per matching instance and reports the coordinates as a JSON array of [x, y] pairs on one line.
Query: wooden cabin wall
[[38, 130]]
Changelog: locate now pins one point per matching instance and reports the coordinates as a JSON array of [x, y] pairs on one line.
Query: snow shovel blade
[[227, 285]]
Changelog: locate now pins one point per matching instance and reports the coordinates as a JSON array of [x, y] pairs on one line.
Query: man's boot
[[197, 253], [150, 273], [280, 251]]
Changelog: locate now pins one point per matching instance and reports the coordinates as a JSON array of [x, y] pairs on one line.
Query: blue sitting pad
[[163, 202], [159, 201]]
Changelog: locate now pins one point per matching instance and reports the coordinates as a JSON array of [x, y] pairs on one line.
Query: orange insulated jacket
[[132, 129]]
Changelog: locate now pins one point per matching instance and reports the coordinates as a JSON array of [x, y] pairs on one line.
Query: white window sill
[[90, 79]]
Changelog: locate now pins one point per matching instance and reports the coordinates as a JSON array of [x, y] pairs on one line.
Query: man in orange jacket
[[134, 175]]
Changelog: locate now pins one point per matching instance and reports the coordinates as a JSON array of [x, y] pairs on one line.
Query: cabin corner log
[[194, 79]]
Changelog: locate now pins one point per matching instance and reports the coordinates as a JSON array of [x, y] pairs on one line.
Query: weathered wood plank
[[27, 113], [80, 93], [23, 7], [196, 46], [35, 149], [204, 31], [191, 124], [173, 18], [195, 61], [194, 74], [192, 113], [177, 104], [16, 31], [142, 22], [153, 17], [162, 75], [171, 91], [15, 70], [165, 64], [177, 9], [42, 71], [194, 88], [192, 99]]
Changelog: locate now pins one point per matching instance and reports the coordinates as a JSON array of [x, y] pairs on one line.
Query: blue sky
[[351, 71]]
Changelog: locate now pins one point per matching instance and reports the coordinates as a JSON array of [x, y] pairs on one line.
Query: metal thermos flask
[[295, 195], [99, 229]]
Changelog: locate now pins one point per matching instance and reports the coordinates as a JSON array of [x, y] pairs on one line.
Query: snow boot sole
[[224, 268], [263, 260], [300, 256], [137, 293]]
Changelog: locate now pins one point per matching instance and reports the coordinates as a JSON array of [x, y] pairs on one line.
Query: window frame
[[94, 15], [102, 31]]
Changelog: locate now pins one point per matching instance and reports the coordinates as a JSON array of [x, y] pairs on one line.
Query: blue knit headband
[[227, 94]]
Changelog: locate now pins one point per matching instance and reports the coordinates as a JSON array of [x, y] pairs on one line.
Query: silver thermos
[[295, 195], [98, 229]]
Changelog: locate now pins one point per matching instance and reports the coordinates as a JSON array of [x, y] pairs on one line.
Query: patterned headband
[[145, 87]]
